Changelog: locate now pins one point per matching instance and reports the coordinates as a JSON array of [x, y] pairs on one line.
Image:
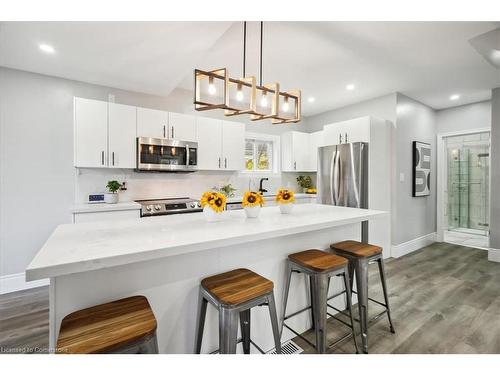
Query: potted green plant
[[305, 182], [111, 196]]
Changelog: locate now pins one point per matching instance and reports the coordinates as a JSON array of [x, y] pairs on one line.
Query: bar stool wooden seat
[[234, 293], [360, 255], [124, 326], [320, 266]]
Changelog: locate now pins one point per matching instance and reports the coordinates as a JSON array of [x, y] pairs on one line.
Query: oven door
[[166, 155]]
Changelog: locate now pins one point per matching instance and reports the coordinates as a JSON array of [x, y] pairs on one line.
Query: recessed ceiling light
[[311, 99], [350, 86], [455, 97], [46, 48]]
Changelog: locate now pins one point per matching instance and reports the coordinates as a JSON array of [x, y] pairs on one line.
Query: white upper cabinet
[[91, 129], [209, 134], [152, 123], [181, 127], [221, 144], [355, 130], [122, 136], [295, 152], [233, 145], [316, 140]]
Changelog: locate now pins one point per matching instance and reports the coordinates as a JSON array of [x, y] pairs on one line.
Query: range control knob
[[192, 205], [198, 204], [157, 207], [149, 208]]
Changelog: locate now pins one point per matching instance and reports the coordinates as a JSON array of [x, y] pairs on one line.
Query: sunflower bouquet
[[284, 199], [213, 203], [252, 202]]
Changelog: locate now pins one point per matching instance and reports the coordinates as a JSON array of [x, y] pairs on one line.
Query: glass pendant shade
[[289, 104], [240, 97], [266, 102]]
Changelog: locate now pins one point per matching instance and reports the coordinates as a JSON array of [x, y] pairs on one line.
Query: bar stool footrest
[[239, 342]]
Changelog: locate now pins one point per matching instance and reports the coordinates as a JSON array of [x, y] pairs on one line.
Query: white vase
[[210, 215], [286, 208], [111, 197], [252, 212]]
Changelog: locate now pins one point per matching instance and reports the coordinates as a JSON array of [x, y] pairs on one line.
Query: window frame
[[276, 154]]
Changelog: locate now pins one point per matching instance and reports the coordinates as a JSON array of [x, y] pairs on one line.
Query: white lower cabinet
[[87, 217], [221, 144]]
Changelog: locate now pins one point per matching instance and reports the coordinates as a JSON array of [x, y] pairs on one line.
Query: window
[[261, 153]]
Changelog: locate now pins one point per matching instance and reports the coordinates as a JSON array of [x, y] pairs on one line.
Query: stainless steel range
[[169, 206]]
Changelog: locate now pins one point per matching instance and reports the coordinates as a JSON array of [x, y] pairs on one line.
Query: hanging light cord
[[261, 39], [244, 47]]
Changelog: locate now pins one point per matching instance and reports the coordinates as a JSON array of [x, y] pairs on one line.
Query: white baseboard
[[17, 281], [413, 245], [493, 255]]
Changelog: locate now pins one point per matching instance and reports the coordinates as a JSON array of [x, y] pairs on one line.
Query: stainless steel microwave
[[166, 155]]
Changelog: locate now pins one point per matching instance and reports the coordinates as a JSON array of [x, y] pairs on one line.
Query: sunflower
[[216, 201], [285, 196], [252, 199]]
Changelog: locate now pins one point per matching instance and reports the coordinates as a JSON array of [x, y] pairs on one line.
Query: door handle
[[172, 131], [225, 163], [113, 158], [340, 138], [346, 138], [102, 157], [294, 165], [219, 162], [164, 132]]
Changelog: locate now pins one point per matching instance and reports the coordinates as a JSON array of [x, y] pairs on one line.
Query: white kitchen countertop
[[103, 207], [74, 248]]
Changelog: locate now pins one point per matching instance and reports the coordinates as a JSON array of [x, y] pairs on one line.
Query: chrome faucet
[[261, 189]]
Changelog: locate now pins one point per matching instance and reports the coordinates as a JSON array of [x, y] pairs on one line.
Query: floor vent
[[288, 347]]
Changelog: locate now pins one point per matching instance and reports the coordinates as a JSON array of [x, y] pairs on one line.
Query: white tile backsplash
[[165, 185]]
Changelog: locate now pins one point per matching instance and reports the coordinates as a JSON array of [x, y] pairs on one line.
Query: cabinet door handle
[[295, 165], [219, 162], [172, 132], [113, 158], [346, 141], [102, 157], [225, 163], [164, 132], [340, 138]]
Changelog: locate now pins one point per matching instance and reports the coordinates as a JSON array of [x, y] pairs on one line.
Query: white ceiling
[[427, 61]]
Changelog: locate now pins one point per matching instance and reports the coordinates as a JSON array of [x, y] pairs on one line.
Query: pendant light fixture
[[216, 90]]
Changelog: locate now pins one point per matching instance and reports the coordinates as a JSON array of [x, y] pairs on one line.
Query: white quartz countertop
[[74, 248], [103, 207]]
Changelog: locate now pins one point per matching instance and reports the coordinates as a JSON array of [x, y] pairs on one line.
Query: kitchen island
[[164, 258]]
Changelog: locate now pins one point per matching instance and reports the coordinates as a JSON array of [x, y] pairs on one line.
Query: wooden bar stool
[[320, 266], [360, 255], [124, 326], [234, 293]]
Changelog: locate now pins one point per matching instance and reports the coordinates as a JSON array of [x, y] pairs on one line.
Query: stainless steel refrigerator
[[343, 177]]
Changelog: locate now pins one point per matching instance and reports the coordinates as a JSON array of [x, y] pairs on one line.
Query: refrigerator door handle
[[336, 173]]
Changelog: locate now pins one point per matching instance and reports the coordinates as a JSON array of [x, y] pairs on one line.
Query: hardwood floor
[[444, 299]]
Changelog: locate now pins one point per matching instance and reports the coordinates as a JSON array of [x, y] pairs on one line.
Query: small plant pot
[[210, 215], [286, 208], [111, 198], [252, 212]]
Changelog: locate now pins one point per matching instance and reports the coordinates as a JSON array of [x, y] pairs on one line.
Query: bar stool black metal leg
[[228, 330], [274, 322], [202, 312], [319, 282], [384, 288], [285, 297], [362, 288], [245, 330], [347, 284]]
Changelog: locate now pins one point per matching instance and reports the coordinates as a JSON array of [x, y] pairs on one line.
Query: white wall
[[383, 107], [464, 117], [38, 183], [413, 217]]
